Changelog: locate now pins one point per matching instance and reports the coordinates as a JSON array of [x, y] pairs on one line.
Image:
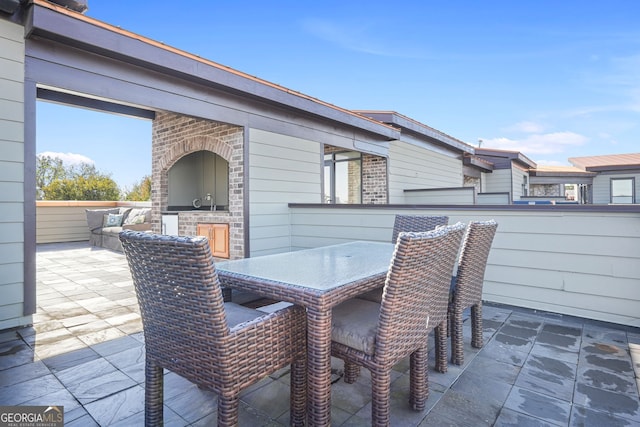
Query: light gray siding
[[499, 181], [444, 196], [415, 167], [575, 262], [602, 186], [519, 177], [12, 50], [282, 170]]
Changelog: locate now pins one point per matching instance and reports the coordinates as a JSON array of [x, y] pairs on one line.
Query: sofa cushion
[[125, 213], [95, 217], [111, 230], [112, 220], [137, 227], [138, 216]]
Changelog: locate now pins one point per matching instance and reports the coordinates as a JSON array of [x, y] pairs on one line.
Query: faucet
[[211, 205]]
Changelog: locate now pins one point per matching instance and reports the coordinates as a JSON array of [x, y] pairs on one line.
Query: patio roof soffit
[[59, 24], [478, 163], [417, 129]]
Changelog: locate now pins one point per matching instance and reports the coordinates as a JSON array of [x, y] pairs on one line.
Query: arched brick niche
[[176, 136]]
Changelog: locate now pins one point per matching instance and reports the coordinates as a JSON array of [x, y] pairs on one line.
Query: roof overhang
[[477, 162], [612, 168], [417, 129], [515, 156], [61, 25]]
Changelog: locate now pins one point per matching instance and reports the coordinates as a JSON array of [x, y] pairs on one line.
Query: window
[[524, 186], [622, 190], [343, 177]]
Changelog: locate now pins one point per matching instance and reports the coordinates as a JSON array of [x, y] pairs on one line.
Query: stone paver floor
[[85, 352]]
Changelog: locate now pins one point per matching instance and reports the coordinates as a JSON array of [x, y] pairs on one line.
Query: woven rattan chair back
[[186, 328], [416, 293], [416, 223], [180, 300], [469, 282]]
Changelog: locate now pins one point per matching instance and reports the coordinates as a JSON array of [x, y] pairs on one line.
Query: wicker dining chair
[[414, 223], [190, 330], [378, 336], [467, 285]]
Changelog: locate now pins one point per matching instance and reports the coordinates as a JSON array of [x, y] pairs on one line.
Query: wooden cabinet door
[[218, 235]]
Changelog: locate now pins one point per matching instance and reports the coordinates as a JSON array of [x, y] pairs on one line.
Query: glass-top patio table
[[317, 279]]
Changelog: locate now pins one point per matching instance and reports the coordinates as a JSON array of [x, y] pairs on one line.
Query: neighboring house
[[617, 177], [510, 173], [229, 151], [561, 184]]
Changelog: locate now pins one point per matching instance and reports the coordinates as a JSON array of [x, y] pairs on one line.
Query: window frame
[[633, 190], [331, 163]]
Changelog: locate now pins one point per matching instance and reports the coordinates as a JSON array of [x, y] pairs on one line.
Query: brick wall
[[470, 181], [374, 180], [174, 136]]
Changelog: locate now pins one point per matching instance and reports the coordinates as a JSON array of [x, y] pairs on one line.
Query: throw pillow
[[113, 220], [138, 216]]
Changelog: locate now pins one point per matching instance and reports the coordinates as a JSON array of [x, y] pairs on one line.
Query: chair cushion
[[355, 324], [237, 314]]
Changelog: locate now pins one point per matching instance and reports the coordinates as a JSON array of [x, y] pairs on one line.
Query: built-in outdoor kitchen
[[198, 172]]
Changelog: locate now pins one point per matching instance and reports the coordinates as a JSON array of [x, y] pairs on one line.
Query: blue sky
[[552, 79]]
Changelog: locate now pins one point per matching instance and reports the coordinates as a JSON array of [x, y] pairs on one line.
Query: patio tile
[[557, 382], [101, 336], [94, 380], [495, 350], [22, 373], [70, 359], [550, 351], [585, 417], [170, 418], [272, 399], [623, 405], [537, 405], [70, 322], [560, 341], [57, 398], [73, 416], [193, 404], [458, 409], [510, 418], [351, 397], [118, 406], [484, 367], [55, 348], [26, 391], [475, 386], [131, 363], [606, 380], [84, 421], [114, 346], [15, 353]]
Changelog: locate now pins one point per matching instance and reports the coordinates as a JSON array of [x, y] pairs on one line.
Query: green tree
[[48, 170], [141, 191], [56, 181]]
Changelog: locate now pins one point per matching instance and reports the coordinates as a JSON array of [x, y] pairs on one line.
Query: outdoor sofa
[[106, 224]]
